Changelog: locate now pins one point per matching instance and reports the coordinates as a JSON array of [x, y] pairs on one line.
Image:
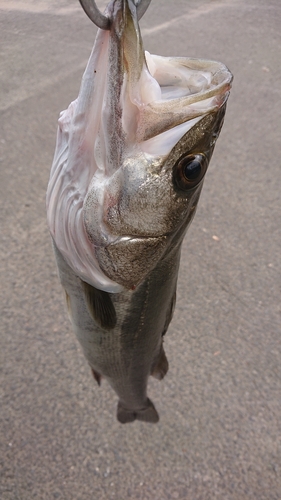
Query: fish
[[131, 155]]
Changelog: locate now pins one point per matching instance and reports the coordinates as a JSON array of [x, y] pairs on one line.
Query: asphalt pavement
[[219, 435]]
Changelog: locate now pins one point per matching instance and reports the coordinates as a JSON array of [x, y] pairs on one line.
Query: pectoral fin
[[100, 306]]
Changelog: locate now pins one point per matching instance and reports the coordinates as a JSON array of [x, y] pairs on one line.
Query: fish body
[[132, 152]]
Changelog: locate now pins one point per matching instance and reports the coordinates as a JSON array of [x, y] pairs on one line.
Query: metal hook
[[102, 21]]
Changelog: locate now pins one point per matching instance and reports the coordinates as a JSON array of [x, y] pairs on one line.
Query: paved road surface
[[220, 405]]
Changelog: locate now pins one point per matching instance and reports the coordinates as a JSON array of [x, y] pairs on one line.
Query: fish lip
[[126, 239]]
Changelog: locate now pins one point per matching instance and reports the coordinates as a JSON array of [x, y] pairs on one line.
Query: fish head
[[144, 209], [139, 143]]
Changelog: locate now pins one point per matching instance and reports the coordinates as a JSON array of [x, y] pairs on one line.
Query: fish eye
[[190, 170]]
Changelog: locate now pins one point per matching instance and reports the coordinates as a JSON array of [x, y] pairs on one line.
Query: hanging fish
[[131, 155]]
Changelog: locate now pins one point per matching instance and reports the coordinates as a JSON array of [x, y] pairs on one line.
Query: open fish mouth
[[113, 141]]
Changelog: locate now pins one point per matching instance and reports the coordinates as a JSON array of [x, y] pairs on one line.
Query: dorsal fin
[[96, 376], [161, 366], [170, 313], [100, 306]]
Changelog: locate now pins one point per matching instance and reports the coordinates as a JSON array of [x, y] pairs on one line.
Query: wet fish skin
[[119, 206], [124, 342]]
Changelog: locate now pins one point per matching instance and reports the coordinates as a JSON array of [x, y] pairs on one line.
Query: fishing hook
[[101, 20]]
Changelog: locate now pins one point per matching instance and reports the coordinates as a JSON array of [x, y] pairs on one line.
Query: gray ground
[[219, 436]]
